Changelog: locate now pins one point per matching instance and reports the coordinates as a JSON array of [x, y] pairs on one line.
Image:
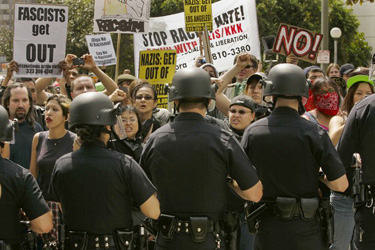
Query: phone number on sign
[[231, 52]]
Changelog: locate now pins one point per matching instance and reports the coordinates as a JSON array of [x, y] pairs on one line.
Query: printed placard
[[158, 67], [198, 15], [40, 33], [301, 42], [323, 56], [130, 16], [101, 49], [235, 30]]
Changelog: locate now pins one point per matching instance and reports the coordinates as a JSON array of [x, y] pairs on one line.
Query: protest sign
[[39, 39], [101, 49], [235, 30], [131, 16], [198, 15], [158, 67], [301, 42], [323, 56]]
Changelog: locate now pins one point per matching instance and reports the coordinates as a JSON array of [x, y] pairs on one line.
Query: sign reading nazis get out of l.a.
[[301, 42], [39, 39], [198, 15], [158, 67]]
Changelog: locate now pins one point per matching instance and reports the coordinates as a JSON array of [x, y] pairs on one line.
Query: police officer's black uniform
[[287, 152], [18, 190], [358, 137], [189, 160], [97, 186]]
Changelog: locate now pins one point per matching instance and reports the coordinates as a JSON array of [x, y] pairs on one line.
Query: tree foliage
[[351, 2], [352, 46]]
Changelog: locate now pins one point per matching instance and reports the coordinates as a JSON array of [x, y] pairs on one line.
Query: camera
[[78, 61]]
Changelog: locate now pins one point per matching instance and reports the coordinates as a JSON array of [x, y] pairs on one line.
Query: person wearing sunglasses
[[132, 144], [144, 99], [241, 115]]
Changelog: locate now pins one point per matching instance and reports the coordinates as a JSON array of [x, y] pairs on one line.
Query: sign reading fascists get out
[[39, 39]]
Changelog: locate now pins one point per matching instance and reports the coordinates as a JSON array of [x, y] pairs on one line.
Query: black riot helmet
[[286, 79], [191, 83], [6, 126], [92, 108]]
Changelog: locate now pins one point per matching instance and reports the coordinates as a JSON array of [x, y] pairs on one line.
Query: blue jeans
[[344, 221], [247, 239]]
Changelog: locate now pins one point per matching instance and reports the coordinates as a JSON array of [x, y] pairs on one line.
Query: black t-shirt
[[97, 187], [359, 137], [287, 152], [189, 160], [20, 151], [18, 190]]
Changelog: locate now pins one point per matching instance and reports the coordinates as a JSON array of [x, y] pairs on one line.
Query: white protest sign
[[323, 56], [101, 49], [39, 39], [235, 30], [130, 16]]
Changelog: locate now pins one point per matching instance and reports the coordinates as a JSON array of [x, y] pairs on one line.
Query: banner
[[101, 49], [158, 67], [235, 30], [122, 16], [301, 42], [198, 15], [39, 39]]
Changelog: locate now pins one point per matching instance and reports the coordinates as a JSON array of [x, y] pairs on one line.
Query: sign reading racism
[[198, 15], [130, 16], [39, 39], [235, 30], [101, 48], [158, 67], [301, 42]]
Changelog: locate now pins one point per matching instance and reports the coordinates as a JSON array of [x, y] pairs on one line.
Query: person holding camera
[[288, 152]]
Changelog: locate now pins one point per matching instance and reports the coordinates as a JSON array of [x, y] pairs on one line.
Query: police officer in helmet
[[97, 186], [288, 152], [189, 160], [18, 190]]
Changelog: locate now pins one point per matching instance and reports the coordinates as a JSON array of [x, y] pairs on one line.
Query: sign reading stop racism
[[301, 42]]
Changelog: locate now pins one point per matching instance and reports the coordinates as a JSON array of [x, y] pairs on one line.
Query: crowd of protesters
[[41, 107]]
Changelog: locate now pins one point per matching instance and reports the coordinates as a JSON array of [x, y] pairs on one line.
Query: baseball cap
[[346, 69], [358, 78], [243, 100]]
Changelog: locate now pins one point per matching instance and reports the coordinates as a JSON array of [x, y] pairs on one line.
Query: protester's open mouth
[[48, 119]]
